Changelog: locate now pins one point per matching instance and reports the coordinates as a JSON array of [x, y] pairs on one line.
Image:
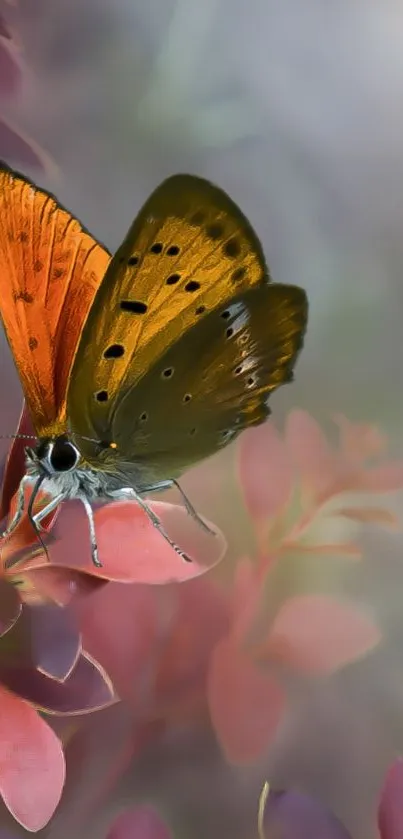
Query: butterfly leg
[[41, 514], [91, 524], [130, 493], [27, 479], [160, 486]]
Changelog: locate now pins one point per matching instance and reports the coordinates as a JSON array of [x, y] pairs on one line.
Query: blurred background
[[296, 110]]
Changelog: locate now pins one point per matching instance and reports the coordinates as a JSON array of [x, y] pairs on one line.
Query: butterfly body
[[138, 366]]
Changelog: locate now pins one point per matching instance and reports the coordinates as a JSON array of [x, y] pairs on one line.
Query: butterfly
[[136, 366]]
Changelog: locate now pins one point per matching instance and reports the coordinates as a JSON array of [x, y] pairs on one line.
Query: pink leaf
[[265, 471], [318, 634], [32, 769], [130, 547], [310, 451], [390, 812], [246, 703], [139, 823]]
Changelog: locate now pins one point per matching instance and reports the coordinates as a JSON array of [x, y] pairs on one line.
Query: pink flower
[[307, 496], [42, 662], [303, 496]]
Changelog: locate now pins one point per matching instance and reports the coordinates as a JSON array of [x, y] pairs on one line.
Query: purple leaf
[[10, 608], [293, 815], [86, 689]]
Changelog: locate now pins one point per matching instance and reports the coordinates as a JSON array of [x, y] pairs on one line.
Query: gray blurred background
[[295, 107]]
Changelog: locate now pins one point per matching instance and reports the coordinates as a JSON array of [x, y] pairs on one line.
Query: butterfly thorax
[[59, 463]]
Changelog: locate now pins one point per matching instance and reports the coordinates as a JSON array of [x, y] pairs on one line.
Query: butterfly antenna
[[18, 437]]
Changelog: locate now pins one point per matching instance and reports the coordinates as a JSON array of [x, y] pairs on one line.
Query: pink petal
[[370, 515], [390, 812], [22, 150], [359, 441], [4, 29], [60, 585], [265, 471], [10, 69], [246, 703], [318, 634], [32, 769], [310, 451], [130, 547], [384, 478], [139, 823], [120, 628]]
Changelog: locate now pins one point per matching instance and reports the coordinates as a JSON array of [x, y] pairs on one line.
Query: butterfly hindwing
[[50, 268]]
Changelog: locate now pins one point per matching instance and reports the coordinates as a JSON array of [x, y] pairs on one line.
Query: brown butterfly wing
[[188, 291], [50, 268]]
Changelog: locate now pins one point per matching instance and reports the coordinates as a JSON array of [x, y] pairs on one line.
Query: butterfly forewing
[[186, 337], [189, 250], [50, 268]]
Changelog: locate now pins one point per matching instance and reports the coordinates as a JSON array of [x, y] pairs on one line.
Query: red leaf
[[246, 703], [32, 769], [318, 634]]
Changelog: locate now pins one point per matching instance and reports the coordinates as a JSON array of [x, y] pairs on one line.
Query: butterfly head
[[54, 456]]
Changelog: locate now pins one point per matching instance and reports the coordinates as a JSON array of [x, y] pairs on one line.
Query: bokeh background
[[296, 110]]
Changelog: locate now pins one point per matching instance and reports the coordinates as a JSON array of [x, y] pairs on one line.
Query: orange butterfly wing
[[50, 269]]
